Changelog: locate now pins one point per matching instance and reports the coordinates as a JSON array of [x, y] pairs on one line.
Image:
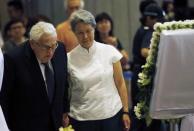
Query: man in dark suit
[[31, 99]]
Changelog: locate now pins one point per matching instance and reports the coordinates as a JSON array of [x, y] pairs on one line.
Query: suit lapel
[[35, 71], [57, 63], [56, 68]]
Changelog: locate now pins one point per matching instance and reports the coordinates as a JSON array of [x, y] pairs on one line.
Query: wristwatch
[[124, 112]]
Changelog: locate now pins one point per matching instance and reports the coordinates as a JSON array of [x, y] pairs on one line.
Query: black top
[[147, 39], [137, 45]]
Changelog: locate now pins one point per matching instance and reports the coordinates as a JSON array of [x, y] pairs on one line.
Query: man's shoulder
[[142, 30], [61, 48], [17, 51], [61, 44]]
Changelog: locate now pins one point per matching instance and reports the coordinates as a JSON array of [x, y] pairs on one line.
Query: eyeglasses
[[47, 47]]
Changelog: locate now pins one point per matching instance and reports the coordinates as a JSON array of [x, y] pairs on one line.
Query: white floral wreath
[[145, 80]]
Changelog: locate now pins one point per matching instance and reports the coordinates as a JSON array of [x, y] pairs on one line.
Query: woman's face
[[104, 26], [85, 34]]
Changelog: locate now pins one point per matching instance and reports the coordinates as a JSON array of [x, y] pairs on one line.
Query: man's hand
[[65, 120]]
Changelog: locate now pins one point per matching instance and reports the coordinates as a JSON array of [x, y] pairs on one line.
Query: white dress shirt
[[94, 95], [42, 68]]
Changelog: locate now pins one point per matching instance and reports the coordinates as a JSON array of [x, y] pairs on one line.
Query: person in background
[[191, 16], [39, 17], [168, 7], [99, 99], [181, 9], [15, 30], [64, 31], [16, 11], [34, 93], [152, 14], [104, 34], [138, 61]]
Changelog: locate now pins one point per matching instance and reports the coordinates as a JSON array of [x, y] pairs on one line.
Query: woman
[[104, 34], [168, 7], [99, 100]]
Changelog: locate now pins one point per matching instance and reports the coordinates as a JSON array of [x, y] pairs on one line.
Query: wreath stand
[[174, 126], [173, 83]]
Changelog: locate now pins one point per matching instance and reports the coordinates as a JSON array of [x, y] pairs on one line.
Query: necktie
[[49, 75]]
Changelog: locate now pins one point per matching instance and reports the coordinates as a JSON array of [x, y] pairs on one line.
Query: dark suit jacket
[[24, 97]]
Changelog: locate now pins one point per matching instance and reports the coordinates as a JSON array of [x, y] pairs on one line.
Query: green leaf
[[148, 120]]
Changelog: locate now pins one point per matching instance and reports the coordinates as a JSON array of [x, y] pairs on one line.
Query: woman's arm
[[120, 84]]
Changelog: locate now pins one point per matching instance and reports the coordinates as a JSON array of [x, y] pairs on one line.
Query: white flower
[[145, 77], [140, 74], [139, 81], [149, 58], [155, 35], [168, 23], [137, 112], [157, 25], [138, 108]]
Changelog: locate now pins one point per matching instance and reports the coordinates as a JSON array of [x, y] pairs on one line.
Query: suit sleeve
[[6, 93], [66, 95]]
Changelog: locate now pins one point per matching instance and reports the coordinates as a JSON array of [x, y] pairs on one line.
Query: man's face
[[150, 21], [73, 5], [17, 30], [45, 47]]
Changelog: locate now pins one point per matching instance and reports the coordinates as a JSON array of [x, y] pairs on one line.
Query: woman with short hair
[[99, 99]]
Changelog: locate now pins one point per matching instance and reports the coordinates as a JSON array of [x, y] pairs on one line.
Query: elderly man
[[64, 32], [34, 91]]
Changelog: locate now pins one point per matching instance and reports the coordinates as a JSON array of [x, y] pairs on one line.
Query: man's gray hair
[[81, 4], [82, 16], [42, 28]]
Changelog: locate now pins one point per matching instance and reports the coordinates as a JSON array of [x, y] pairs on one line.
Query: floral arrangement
[[146, 77], [69, 128]]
